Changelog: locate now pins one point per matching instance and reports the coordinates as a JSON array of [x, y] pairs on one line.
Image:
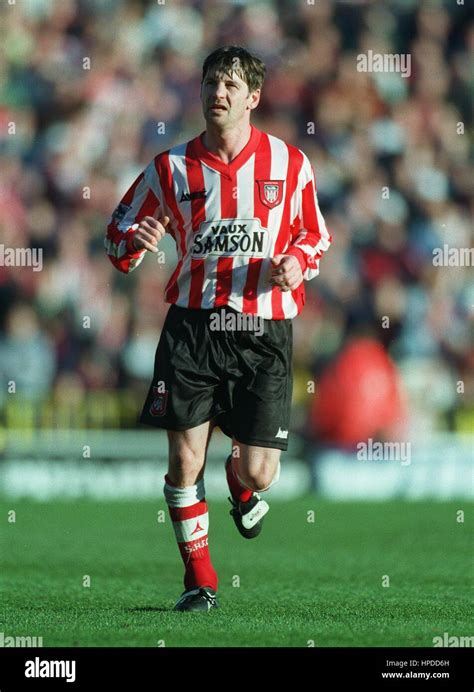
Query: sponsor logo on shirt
[[230, 238]]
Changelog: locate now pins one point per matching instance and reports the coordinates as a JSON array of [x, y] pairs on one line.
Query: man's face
[[226, 101]]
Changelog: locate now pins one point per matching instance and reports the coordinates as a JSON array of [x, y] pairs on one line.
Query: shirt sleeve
[[310, 237], [142, 199]]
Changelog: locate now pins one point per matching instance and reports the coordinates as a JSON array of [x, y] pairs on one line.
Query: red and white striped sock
[[190, 517], [237, 490]]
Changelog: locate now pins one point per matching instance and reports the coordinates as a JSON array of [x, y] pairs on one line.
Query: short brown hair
[[229, 59]]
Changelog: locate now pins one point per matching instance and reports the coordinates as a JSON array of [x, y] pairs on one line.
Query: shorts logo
[[158, 405], [271, 192]]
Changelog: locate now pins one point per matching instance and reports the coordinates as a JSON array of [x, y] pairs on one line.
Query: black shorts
[[241, 378]]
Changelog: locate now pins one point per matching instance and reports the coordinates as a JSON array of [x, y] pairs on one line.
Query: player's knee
[[260, 477], [184, 463]]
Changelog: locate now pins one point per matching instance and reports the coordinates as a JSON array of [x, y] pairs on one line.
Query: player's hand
[[285, 272], [149, 233]]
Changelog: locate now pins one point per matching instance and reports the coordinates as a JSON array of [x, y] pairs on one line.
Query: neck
[[227, 144]]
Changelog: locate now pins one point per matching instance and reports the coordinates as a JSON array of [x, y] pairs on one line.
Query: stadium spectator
[[90, 92]]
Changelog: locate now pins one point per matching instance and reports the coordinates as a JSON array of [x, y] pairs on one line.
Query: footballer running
[[242, 208]]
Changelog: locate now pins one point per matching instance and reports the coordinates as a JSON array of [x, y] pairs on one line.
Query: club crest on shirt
[[158, 405], [271, 192]]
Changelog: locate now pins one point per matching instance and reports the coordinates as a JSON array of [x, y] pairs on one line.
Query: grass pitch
[[301, 582]]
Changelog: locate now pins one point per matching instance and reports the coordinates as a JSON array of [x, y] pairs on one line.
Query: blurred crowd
[[91, 90]]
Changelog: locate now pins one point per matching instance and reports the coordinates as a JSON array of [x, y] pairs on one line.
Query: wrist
[[131, 247], [299, 255]]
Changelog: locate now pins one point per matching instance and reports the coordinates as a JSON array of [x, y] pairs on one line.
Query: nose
[[220, 91]]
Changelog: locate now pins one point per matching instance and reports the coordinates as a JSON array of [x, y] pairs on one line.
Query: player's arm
[[137, 224], [310, 237]]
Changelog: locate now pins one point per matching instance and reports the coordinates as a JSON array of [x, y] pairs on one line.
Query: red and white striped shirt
[[228, 221]]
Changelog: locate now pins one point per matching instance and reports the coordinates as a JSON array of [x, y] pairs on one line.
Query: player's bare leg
[[185, 495], [256, 467], [187, 454], [250, 471]]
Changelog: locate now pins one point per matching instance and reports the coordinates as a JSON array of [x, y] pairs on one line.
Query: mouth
[[217, 108]]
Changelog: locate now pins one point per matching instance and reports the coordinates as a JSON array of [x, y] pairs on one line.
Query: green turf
[[299, 581]]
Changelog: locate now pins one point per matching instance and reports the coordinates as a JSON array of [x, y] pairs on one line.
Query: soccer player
[[242, 208]]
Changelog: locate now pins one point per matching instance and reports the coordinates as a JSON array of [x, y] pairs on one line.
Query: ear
[[254, 99]]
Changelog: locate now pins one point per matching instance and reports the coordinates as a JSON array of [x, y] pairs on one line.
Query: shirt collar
[[217, 163]]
